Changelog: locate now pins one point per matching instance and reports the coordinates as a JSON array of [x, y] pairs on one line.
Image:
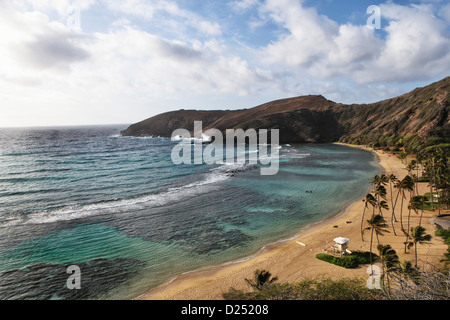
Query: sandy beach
[[291, 261]]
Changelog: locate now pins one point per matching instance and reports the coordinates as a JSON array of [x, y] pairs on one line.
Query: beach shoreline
[[289, 259], [212, 269]]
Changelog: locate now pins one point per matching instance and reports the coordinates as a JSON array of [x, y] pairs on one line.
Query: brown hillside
[[421, 114]]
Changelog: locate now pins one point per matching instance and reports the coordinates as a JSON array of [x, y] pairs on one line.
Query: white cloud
[[308, 37], [163, 66], [180, 17], [31, 40], [417, 45], [445, 12], [243, 5], [74, 77], [60, 6], [52, 75]]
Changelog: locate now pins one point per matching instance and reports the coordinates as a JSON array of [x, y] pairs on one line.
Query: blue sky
[[74, 62]]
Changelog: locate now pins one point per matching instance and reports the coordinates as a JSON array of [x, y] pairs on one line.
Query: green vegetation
[[436, 168], [345, 261], [398, 282], [311, 289], [350, 261], [433, 162], [427, 204], [422, 179], [388, 124], [446, 235], [410, 144], [363, 257]]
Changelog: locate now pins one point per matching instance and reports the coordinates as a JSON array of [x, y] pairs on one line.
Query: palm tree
[[418, 235], [430, 172], [411, 166], [376, 225], [417, 204], [380, 193], [442, 173], [407, 184], [420, 158], [262, 280], [389, 257], [392, 180], [437, 170], [384, 179], [379, 180], [445, 186], [382, 205], [369, 200], [390, 261]]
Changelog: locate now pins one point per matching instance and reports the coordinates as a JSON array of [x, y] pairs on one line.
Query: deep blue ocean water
[[118, 208]]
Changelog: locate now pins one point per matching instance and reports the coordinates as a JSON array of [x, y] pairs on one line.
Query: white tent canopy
[[341, 240]]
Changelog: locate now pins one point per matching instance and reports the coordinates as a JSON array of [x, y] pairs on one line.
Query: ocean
[[119, 209]]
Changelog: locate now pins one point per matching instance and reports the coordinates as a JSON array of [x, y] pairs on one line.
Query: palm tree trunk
[[395, 204], [388, 283], [409, 219], [393, 217], [415, 251], [392, 202], [431, 196], [401, 212], [438, 202], [371, 241], [436, 187], [407, 230], [417, 183], [412, 177], [392, 223], [362, 222]]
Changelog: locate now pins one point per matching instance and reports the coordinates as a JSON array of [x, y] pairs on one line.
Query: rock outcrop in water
[[421, 115]]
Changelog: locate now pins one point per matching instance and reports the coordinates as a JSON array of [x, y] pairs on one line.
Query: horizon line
[[64, 126]]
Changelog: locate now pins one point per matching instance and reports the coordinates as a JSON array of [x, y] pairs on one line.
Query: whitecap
[[69, 213]]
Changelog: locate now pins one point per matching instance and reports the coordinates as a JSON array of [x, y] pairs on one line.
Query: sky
[[85, 62]]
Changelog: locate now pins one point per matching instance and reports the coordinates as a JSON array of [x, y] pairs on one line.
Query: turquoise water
[[131, 220]]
